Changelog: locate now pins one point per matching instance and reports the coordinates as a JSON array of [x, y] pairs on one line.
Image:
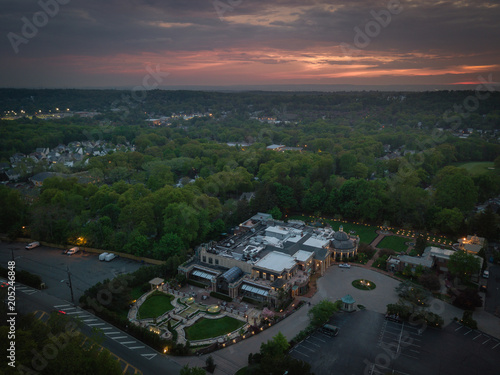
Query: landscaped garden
[[364, 284], [156, 304], [395, 243], [207, 328]]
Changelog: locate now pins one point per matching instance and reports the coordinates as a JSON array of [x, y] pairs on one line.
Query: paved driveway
[[337, 282]]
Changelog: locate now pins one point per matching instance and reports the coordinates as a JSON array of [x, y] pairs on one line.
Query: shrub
[[221, 296], [429, 281], [24, 277], [196, 283], [467, 320]]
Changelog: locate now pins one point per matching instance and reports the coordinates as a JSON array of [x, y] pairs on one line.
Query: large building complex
[[265, 259]]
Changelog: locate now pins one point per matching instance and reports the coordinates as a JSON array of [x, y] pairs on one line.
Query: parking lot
[[51, 265], [369, 344]]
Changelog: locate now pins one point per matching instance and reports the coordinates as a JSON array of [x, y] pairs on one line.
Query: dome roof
[[341, 240], [341, 236]]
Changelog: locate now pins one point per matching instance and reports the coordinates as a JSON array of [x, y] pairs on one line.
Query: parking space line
[[106, 328], [120, 337], [312, 343], [69, 308], [316, 338], [95, 324], [126, 342], [135, 347], [112, 333], [476, 337], [90, 320], [468, 332], [305, 347], [59, 306], [486, 341], [299, 352], [496, 345], [73, 312], [459, 328]]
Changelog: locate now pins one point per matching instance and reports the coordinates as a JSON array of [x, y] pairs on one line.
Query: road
[[136, 353], [51, 265]]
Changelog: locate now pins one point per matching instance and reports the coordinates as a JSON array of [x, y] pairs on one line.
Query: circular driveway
[[336, 283]]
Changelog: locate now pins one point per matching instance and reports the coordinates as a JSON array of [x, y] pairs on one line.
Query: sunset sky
[[248, 43]]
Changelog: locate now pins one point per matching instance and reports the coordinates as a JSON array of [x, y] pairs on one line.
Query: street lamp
[[70, 285]]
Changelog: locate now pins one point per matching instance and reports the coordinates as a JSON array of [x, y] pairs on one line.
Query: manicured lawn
[[366, 233], [207, 328], [156, 305], [477, 168], [363, 284], [394, 243]]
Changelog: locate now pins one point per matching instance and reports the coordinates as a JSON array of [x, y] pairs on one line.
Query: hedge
[[24, 277], [221, 296]]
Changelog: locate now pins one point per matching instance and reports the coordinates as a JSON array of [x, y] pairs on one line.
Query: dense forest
[[183, 183]]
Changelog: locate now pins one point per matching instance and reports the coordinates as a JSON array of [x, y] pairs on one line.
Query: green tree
[[321, 312], [420, 244], [463, 265], [413, 295], [276, 213], [456, 190]]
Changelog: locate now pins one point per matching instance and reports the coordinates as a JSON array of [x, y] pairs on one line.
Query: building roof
[[316, 242], [302, 255], [156, 281], [276, 261], [276, 230], [348, 299], [232, 274], [440, 253], [426, 260]]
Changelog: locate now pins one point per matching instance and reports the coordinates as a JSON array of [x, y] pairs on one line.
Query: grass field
[[155, 306], [477, 168], [366, 233], [394, 243], [207, 328]]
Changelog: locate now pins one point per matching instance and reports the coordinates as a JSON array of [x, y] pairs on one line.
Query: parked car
[[330, 330], [486, 274], [110, 257], [32, 245], [344, 265], [102, 256], [73, 250]]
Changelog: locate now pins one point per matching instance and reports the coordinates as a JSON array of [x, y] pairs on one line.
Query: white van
[[102, 256], [110, 257], [73, 250], [32, 245]]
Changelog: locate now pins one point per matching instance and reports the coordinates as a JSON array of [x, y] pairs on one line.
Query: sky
[[248, 43]]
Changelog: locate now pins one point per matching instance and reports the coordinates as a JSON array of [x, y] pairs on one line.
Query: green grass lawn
[[366, 233], [207, 328], [477, 168], [394, 243], [156, 305]]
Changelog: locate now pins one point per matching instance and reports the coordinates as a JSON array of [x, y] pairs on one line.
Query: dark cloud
[[423, 35]]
